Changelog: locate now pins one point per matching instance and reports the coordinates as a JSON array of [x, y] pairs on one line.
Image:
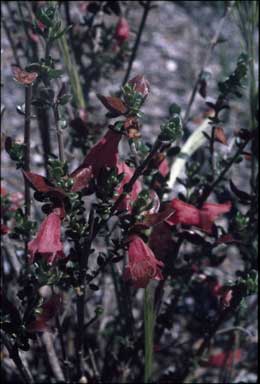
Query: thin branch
[[59, 134], [147, 6], [52, 356], [14, 355], [27, 143], [63, 349], [209, 51], [211, 187], [83, 260]]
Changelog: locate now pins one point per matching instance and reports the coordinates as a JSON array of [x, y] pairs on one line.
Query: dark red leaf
[[41, 184], [113, 104], [220, 136], [22, 76]]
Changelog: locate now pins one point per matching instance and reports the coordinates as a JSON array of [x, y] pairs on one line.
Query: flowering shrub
[[105, 260]]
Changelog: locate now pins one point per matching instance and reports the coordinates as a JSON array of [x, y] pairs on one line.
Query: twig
[[209, 51], [52, 356], [138, 172], [147, 7], [63, 349], [14, 355], [27, 143], [211, 187], [231, 329], [83, 261], [148, 335], [59, 134]]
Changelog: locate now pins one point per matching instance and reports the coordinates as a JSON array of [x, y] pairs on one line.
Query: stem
[[27, 139], [148, 335], [209, 51], [63, 349], [147, 7], [212, 159], [14, 355], [59, 134], [83, 260], [209, 189], [47, 340], [72, 72], [138, 172]]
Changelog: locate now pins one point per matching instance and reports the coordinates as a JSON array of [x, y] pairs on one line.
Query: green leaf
[[54, 73]]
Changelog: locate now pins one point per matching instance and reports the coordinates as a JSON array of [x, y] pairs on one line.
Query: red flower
[[140, 85], [210, 212], [203, 218], [47, 242], [103, 154], [225, 358], [142, 263], [122, 31], [132, 196], [49, 310]]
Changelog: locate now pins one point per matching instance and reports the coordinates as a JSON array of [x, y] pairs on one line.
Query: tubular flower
[[142, 264], [103, 154], [122, 31], [132, 196], [203, 218], [47, 242]]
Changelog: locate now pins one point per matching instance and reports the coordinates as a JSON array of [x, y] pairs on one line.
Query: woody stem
[[209, 51], [26, 165], [148, 335], [211, 187], [83, 261], [14, 355], [147, 7], [59, 133], [27, 139]]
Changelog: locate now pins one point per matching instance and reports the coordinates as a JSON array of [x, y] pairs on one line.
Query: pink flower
[[140, 85], [142, 263], [203, 218], [132, 196], [47, 242], [122, 31], [103, 154], [210, 212]]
